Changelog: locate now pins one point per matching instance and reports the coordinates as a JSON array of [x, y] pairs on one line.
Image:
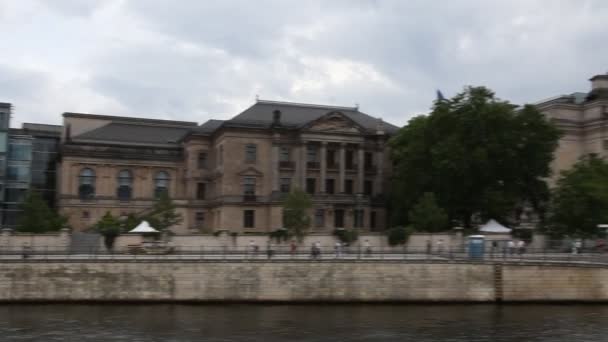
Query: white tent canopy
[[494, 227], [144, 227]]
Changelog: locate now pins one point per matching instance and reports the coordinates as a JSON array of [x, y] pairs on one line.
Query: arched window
[[125, 185], [161, 183], [86, 183]]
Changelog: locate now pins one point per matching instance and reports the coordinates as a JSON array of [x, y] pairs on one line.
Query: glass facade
[[27, 162]]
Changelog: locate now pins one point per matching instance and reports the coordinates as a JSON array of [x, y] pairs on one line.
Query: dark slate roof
[[299, 114], [130, 119], [209, 127], [135, 133]]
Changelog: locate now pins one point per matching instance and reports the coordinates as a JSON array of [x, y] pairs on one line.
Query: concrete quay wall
[[298, 282]]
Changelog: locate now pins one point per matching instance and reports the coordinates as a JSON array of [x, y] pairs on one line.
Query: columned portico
[[360, 170], [378, 188], [342, 176], [303, 164], [323, 166]]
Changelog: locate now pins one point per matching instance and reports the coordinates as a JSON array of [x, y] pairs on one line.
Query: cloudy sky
[[195, 60]]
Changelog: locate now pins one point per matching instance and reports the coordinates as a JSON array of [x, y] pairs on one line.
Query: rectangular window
[[339, 218], [199, 218], [330, 186], [368, 188], [330, 159], [358, 218], [320, 218], [349, 159], [249, 186], [348, 186], [285, 185], [311, 185], [311, 153], [19, 150], [368, 160], [284, 154], [202, 160], [201, 191], [372, 220], [249, 218], [250, 153], [19, 173]]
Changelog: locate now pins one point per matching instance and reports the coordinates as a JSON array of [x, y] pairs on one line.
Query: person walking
[[292, 248], [269, 251], [251, 249], [511, 247], [521, 247], [368, 249], [318, 249], [440, 247]]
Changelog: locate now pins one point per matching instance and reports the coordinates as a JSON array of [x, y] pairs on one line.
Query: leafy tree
[[478, 155], [398, 235], [347, 236], [110, 227], [580, 199], [130, 222], [295, 213], [37, 217], [163, 215], [426, 216]]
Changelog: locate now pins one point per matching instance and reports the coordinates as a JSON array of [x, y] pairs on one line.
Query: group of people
[[315, 249]]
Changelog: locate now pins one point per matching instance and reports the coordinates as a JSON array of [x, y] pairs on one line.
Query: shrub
[[347, 236], [398, 235]]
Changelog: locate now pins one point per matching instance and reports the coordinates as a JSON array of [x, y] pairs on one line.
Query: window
[[202, 160], [199, 218], [201, 191], [249, 218], [320, 218], [368, 160], [249, 186], [161, 184], [19, 173], [339, 218], [372, 220], [285, 185], [311, 153], [250, 153], [330, 186], [311, 185], [19, 150], [125, 184], [330, 158], [86, 186], [85, 214], [358, 218], [368, 188], [348, 186], [284, 154], [349, 159]]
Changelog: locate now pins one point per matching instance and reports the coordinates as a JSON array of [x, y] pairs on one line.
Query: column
[[323, 166], [303, 165], [275, 168], [360, 169], [378, 188], [342, 168]]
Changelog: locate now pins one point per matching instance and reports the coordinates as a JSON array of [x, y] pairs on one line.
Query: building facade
[[583, 120], [229, 174]]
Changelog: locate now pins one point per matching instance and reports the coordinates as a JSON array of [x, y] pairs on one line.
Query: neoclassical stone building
[[229, 174], [583, 119]]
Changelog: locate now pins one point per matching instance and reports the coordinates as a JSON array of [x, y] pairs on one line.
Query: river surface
[[164, 322]]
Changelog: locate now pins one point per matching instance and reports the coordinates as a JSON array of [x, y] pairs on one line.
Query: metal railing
[[302, 253]]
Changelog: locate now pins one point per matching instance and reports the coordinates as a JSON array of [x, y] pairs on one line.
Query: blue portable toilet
[[476, 246]]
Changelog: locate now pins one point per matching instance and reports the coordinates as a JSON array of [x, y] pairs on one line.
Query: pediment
[[251, 172], [334, 122]]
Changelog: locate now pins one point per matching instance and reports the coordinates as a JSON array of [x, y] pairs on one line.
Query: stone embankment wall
[[298, 281]]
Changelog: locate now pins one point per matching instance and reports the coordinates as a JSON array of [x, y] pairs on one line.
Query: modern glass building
[[28, 158]]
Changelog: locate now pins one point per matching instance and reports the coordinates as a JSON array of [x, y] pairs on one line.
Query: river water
[[164, 322]]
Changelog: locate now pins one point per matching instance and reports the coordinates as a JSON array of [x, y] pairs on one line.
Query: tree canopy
[[478, 155], [163, 214], [37, 217], [295, 213], [580, 199], [426, 216]]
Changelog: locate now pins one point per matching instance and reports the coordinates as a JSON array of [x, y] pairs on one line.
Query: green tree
[[427, 216], [295, 213], [478, 155], [163, 215], [110, 227], [398, 235], [130, 222], [37, 217], [580, 199]]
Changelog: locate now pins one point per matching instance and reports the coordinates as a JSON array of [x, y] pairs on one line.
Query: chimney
[[276, 118], [599, 82]]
